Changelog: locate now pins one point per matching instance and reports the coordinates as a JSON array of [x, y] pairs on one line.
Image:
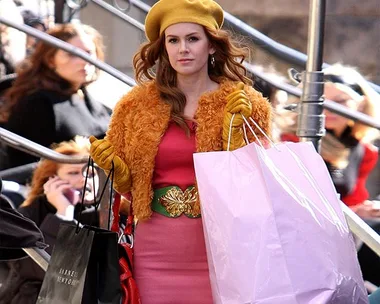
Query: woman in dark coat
[[48, 103]]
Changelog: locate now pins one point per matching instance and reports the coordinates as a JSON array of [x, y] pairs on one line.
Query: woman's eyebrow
[[175, 36]]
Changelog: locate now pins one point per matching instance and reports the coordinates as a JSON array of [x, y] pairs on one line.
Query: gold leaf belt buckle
[[178, 202]]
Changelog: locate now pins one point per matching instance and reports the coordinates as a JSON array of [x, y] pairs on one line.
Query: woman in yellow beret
[[191, 81]]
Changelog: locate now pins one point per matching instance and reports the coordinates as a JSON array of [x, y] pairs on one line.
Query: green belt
[[173, 202]]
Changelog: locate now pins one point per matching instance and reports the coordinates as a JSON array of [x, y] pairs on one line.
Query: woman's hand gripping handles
[[239, 104], [103, 153]]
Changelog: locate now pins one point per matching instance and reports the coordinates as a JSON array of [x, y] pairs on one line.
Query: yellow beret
[[167, 12]]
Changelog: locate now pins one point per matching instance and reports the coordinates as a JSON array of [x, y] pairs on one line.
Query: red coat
[[360, 193], [368, 162]]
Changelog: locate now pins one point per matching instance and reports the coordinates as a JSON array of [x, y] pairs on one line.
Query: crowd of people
[[193, 72]]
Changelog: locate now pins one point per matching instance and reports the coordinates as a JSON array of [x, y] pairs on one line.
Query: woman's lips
[[185, 60]]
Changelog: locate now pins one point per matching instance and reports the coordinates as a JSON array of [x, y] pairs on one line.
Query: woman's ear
[[211, 50], [51, 65], [50, 62]]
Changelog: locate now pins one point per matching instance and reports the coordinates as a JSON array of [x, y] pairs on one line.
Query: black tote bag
[[83, 269]]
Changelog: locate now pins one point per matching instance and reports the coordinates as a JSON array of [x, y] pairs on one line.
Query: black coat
[[43, 213], [20, 276], [47, 117]]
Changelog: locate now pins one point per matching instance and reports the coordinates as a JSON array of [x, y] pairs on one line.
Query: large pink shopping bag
[[274, 230]]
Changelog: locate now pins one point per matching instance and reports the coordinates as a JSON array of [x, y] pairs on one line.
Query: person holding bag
[[191, 81]]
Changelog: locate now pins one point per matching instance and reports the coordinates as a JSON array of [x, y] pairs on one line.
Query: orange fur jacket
[[140, 119]]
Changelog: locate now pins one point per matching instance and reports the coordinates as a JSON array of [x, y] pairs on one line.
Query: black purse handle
[[90, 163]]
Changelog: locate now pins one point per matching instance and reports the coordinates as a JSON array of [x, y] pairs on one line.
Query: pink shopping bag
[[274, 230]]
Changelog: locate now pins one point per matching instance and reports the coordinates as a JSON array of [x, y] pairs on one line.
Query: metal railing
[[28, 146], [71, 49], [271, 46], [40, 256], [278, 50], [357, 225], [362, 230], [116, 12], [328, 104]]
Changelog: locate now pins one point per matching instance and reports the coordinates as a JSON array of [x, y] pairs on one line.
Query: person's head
[[185, 39], [57, 70], [32, 19], [12, 41], [35, 21], [72, 173], [53, 63], [347, 87]]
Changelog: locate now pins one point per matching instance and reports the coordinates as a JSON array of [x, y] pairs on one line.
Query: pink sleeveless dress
[[170, 254]]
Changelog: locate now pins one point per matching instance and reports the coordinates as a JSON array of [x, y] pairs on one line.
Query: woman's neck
[[194, 87]]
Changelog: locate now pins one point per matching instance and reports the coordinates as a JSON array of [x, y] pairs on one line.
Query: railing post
[[310, 118]]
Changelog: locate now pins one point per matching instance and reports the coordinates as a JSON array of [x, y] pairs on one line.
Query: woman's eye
[[74, 173], [193, 39], [172, 40]]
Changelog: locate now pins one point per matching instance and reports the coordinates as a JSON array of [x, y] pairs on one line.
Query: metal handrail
[[128, 80], [20, 143], [331, 106], [40, 256], [70, 49], [118, 13], [269, 45], [327, 104], [362, 230], [356, 224]]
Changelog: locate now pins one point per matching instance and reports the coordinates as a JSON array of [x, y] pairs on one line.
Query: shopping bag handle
[[90, 163], [245, 132], [115, 227], [254, 133], [306, 172], [114, 203]]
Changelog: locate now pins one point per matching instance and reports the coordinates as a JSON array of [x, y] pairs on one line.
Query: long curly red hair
[[152, 62]]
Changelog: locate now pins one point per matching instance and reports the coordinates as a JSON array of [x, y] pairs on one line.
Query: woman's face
[[72, 68], [74, 174], [188, 48], [343, 97]]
